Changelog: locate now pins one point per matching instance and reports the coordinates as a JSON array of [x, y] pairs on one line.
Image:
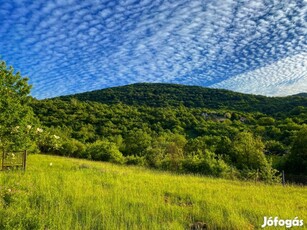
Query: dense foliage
[[16, 117], [220, 142], [161, 95]]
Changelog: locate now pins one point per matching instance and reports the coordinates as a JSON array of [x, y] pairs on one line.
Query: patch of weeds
[[175, 199], [6, 195], [198, 226], [84, 166]]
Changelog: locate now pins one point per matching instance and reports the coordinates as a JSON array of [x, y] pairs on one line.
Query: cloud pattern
[[284, 77], [69, 46]]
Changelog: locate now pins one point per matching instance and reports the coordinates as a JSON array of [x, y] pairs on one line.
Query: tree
[[16, 117], [248, 152], [136, 142], [298, 157]]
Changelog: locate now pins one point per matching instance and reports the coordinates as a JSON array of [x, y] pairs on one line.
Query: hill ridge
[[167, 94]]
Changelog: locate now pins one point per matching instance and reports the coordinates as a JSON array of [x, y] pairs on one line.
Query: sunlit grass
[[80, 194]]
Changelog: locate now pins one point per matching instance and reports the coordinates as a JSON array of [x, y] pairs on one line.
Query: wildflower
[[29, 126], [9, 190], [39, 130], [56, 137], [16, 128], [50, 164]]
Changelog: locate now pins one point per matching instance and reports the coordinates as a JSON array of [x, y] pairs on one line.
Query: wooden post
[[24, 160], [2, 159], [283, 178]]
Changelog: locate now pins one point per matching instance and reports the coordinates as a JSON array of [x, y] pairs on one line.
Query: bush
[[154, 157], [209, 164], [135, 160], [49, 143], [73, 148], [104, 150]]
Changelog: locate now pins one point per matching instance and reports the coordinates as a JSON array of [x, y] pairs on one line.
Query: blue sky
[[70, 46]]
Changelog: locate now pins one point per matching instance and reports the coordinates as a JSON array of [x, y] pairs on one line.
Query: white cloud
[[83, 45], [285, 77]]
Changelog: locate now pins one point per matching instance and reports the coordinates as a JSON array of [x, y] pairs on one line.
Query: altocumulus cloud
[[286, 76], [73, 46]]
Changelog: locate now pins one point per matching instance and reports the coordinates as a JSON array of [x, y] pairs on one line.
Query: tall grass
[[80, 194]]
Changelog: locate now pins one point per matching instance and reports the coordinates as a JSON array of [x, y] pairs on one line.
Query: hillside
[[301, 94], [164, 126], [161, 95], [65, 193]]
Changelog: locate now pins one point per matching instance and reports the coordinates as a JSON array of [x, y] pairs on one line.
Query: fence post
[[2, 159], [283, 178], [24, 160]]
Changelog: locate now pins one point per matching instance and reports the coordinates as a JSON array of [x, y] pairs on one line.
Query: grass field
[[62, 193]]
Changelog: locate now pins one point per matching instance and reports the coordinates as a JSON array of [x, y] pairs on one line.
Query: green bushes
[[135, 160], [73, 148], [104, 151], [242, 157]]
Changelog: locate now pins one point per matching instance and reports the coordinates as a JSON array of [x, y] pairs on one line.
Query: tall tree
[[16, 117]]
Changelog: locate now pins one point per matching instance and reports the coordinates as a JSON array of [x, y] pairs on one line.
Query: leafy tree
[[136, 142], [266, 121], [16, 117], [248, 151], [275, 148], [175, 149], [298, 157]]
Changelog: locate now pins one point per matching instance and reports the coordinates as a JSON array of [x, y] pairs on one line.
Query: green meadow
[[66, 193]]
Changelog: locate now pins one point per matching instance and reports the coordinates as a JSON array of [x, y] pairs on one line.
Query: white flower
[[16, 128], [39, 130], [56, 137], [29, 126]]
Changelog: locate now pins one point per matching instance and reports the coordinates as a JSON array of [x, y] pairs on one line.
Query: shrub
[[135, 160], [209, 164], [49, 143], [74, 148], [104, 150]]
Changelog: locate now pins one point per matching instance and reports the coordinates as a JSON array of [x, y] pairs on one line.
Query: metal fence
[[12, 160]]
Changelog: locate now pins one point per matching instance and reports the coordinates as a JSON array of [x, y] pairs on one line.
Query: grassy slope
[[79, 194]]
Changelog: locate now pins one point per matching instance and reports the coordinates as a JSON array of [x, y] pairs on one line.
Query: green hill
[[301, 94], [161, 95], [180, 128]]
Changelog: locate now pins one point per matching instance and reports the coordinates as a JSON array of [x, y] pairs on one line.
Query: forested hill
[[160, 95], [301, 94]]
